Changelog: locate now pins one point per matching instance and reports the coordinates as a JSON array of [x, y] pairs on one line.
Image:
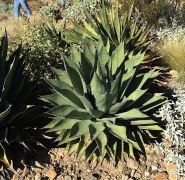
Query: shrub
[[102, 105], [47, 11], [163, 13], [43, 50], [173, 113], [75, 11], [6, 8]]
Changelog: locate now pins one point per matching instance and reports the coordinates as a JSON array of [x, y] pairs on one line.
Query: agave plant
[[102, 105], [110, 25], [19, 109]]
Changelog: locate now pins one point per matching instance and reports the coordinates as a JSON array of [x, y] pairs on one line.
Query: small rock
[[137, 175], [161, 176], [38, 176], [132, 172], [131, 163], [36, 170], [32, 175], [154, 168], [125, 177], [88, 170], [60, 177], [147, 173], [13, 178], [51, 174], [160, 156], [91, 177], [170, 168], [67, 178], [37, 164], [25, 171]]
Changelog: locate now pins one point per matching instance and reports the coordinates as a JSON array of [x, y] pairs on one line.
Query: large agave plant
[[101, 105], [110, 25], [19, 109]]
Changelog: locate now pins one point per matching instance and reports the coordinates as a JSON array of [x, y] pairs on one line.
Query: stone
[[154, 168], [91, 177], [25, 171], [131, 163], [67, 178], [161, 176], [38, 176], [137, 175], [37, 164], [147, 174], [160, 156], [88, 170], [60, 177], [51, 174], [132, 172], [170, 168]]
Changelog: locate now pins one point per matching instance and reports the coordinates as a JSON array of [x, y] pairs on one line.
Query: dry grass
[[15, 27], [173, 54]]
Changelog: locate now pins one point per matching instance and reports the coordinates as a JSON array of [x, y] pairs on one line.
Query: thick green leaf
[[151, 127], [61, 76], [96, 129], [117, 57], [80, 128], [66, 111], [117, 24], [101, 142], [75, 76], [97, 86], [103, 55], [118, 106], [67, 91], [85, 141], [132, 114], [65, 124], [118, 131]]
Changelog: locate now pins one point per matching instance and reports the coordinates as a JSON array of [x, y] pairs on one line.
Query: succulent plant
[[110, 25], [101, 104], [20, 111]]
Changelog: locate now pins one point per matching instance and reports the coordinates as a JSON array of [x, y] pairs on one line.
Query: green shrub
[[102, 105], [43, 51], [163, 13], [76, 10], [6, 8], [47, 11]]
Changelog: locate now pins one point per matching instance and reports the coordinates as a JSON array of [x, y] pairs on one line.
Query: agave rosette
[[20, 111], [101, 103], [108, 24]]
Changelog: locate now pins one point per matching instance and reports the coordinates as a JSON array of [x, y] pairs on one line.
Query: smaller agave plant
[[102, 105], [110, 25], [20, 111]]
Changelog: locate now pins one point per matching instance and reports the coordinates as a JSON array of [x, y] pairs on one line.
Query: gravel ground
[[58, 165]]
